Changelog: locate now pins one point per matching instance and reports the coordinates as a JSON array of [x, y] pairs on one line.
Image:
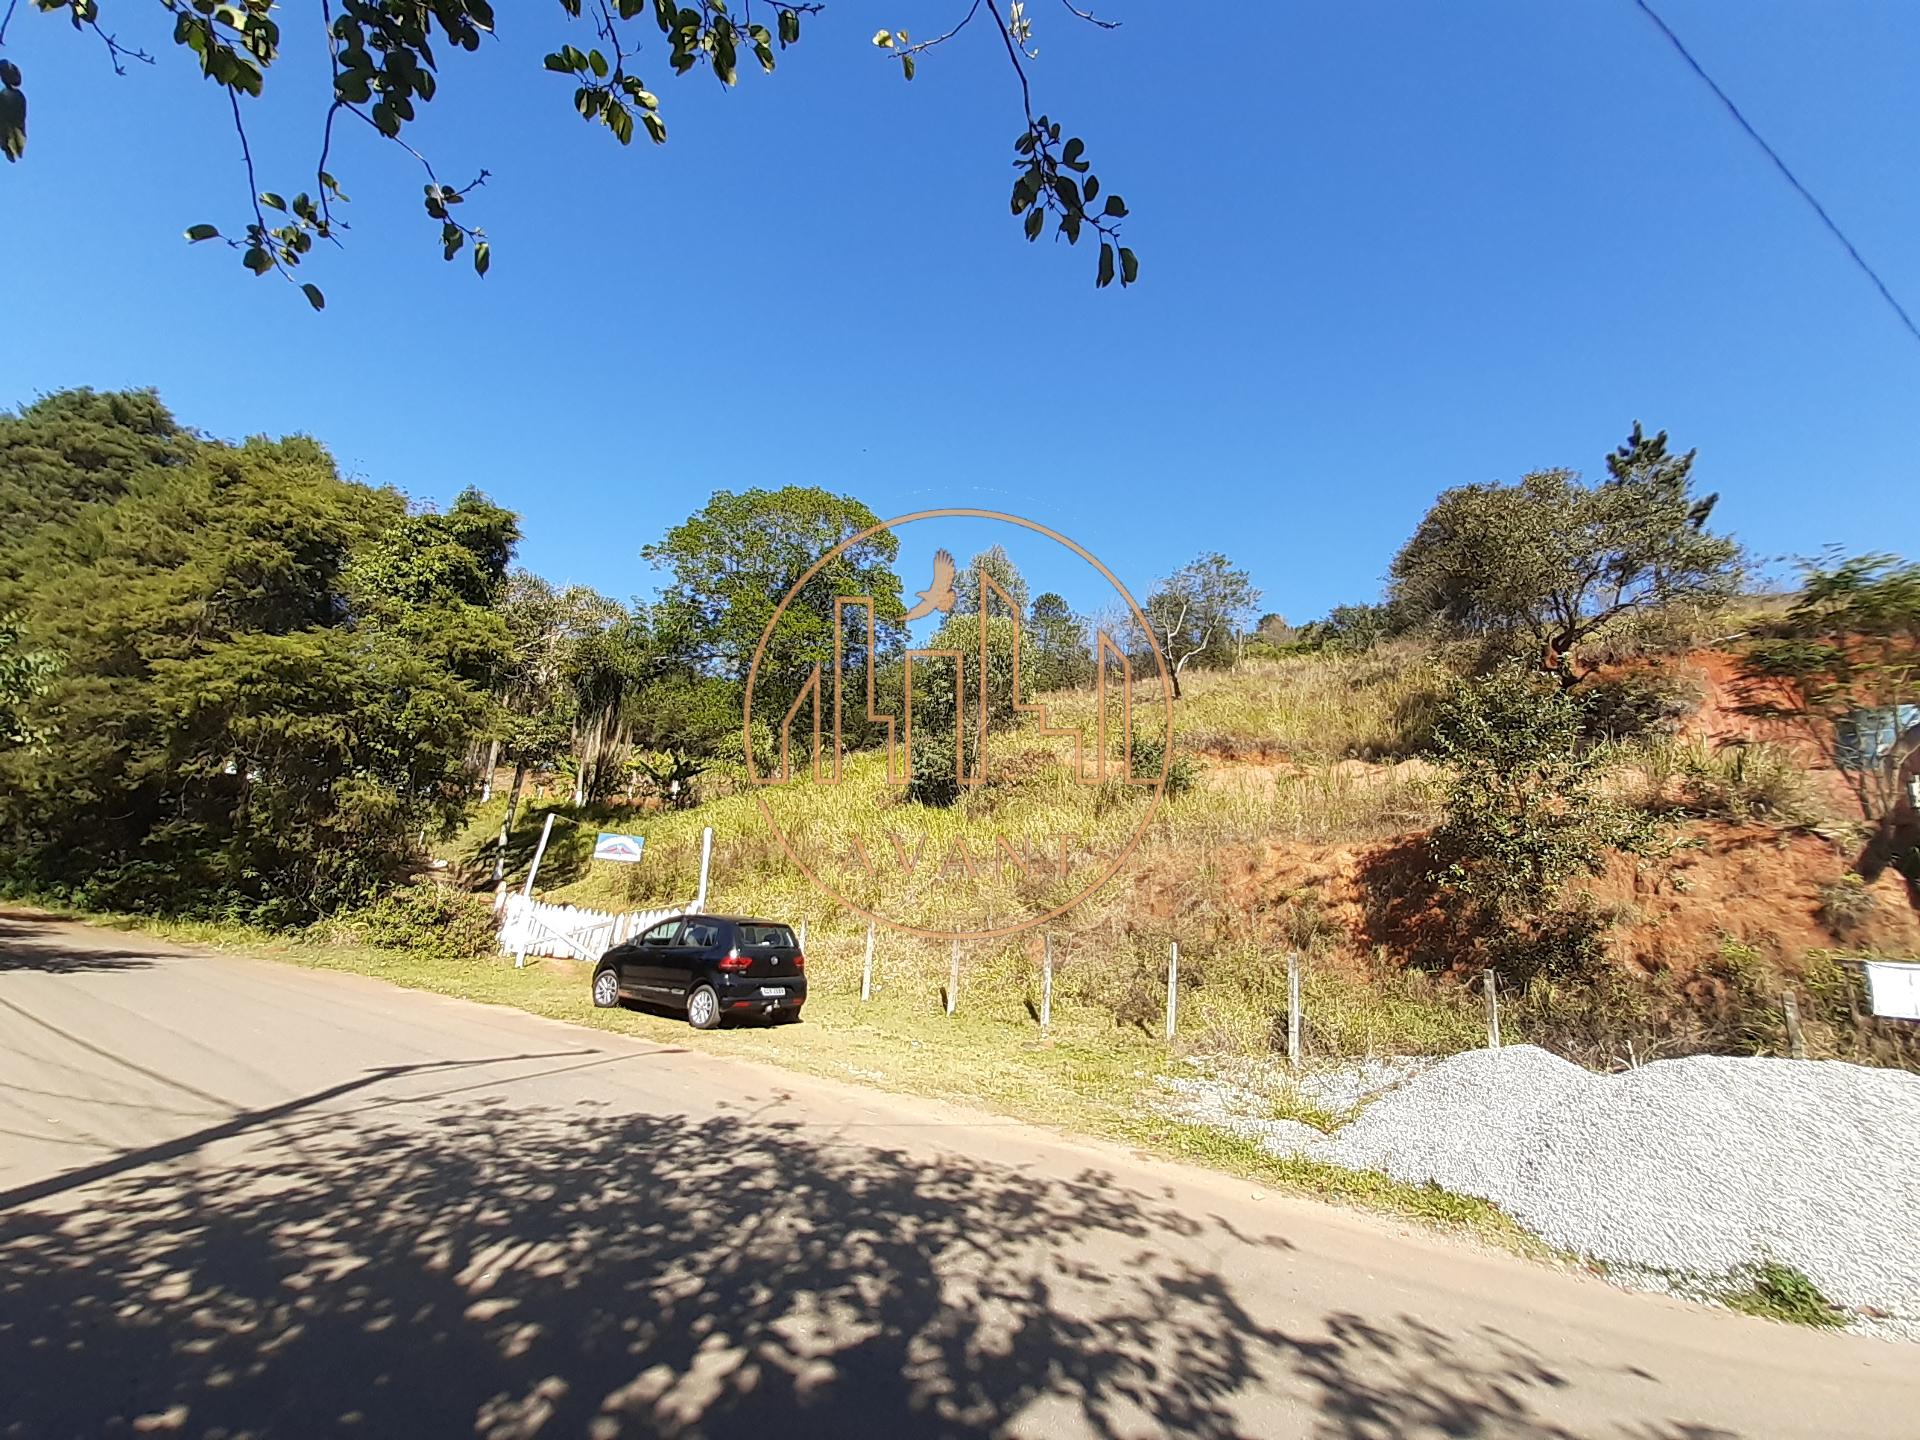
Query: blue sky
[[1386, 249]]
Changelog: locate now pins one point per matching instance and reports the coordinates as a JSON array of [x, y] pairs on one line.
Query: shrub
[[1523, 811], [430, 920], [1779, 1292], [1744, 783], [1183, 771], [1846, 905], [1566, 941], [1640, 703]]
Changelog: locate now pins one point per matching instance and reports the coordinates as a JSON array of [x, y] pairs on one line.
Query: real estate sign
[[623, 848]]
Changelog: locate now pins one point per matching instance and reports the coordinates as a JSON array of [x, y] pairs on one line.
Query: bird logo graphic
[[939, 595]]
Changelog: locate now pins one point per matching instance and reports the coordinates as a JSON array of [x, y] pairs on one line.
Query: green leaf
[[1116, 206], [906, 66], [272, 201], [1129, 266], [558, 63], [599, 64], [314, 297], [482, 258], [1036, 222], [1106, 267], [1075, 148], [257, 260], [197, 233]]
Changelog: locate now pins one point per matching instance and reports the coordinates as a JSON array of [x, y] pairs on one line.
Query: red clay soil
[[1753, 886]]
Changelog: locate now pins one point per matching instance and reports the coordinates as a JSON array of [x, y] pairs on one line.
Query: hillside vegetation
[[1568, 748]]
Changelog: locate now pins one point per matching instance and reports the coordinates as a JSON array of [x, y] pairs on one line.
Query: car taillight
[[734, 960], [799, 961]]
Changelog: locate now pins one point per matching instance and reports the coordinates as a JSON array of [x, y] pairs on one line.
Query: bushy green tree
[[733, 563], [1353, 629], [1524, 810], [273, 677], [1002, 571], [1061, 658], [1843, 668], [1547, 564]]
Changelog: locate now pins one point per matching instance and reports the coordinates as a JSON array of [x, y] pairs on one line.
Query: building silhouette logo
[[956, 870]]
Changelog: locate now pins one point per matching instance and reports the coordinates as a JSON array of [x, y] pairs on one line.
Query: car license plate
[[773, 990]]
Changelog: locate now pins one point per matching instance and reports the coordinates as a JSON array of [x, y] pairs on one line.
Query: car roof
[[738, 920]]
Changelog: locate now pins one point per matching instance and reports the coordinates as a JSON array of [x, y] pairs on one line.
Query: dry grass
[[1311, 707], [1744, 782]]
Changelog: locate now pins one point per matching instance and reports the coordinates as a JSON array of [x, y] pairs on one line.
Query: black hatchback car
[[710, 966]]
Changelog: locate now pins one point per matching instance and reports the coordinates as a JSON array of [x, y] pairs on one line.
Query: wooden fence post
[[1492, 986], [1796, 1041], [866, 969], [803, 937], [1046, 983], [953, 979], [1293, 1008], [1173, 987]]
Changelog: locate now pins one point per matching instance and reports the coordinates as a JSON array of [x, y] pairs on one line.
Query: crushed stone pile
[[1700, 1166]]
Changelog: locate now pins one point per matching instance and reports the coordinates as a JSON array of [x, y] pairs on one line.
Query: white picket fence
[[542, 929]]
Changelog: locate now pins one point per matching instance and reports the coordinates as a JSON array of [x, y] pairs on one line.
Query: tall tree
[[272, 676], [1061, 659], [1001, 570], [385, 62], [1196, 612], [1550, 562], [733, 563], [532, 722], [1843, 668]]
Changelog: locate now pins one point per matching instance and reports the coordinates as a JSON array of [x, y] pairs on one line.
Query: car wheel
[[703, 1009], [606, 990]]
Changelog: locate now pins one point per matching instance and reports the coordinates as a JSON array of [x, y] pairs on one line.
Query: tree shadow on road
[[512, 1274], [35, 942]]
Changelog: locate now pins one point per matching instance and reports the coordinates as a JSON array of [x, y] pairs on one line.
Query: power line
[[1781, 166]]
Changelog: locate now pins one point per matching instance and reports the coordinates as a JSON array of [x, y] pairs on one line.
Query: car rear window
[[756, 937]]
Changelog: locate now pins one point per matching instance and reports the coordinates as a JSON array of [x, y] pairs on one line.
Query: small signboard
[[623, 848], [1895, 990]]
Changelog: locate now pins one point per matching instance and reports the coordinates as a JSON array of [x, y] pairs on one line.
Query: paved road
[[243, 1199]]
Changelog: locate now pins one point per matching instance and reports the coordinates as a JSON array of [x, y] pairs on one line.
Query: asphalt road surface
[[244, 1199]]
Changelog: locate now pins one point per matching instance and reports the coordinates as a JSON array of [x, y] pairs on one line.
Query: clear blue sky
[[1387, 249]]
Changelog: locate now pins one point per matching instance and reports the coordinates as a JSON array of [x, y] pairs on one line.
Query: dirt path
[[248, 1197]]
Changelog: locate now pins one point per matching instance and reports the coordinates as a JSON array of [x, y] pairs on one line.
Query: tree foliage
[[24, 676], [1524, 811], [1551, 561], [1197, 613], [1061, 657], [733, 563], [386, 59], [249, 718], [1843, 668], [1001, 570]]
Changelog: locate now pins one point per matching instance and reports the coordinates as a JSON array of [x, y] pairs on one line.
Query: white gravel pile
[[1462, 1124], [1701, 1166], [1712, 1163]]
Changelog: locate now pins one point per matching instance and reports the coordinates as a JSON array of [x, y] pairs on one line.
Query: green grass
[[1780, 1292], [1087, 1076]]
